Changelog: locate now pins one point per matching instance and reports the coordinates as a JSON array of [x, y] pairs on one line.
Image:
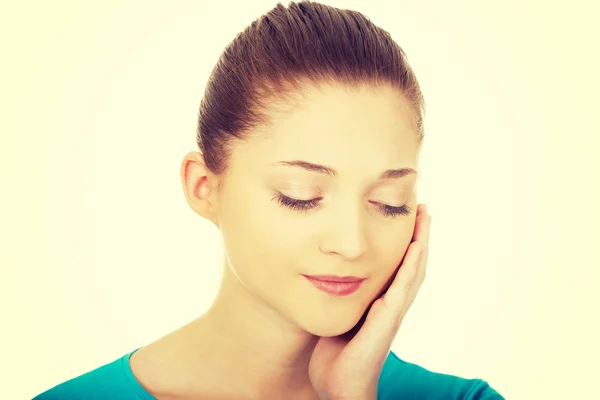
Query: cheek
[[391, 245], [260, 246], [389, 250]]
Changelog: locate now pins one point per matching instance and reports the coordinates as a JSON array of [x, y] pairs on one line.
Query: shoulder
[[110, 381], [401, 379]]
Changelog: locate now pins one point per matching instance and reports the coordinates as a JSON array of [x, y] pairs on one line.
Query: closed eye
[[305, 205]]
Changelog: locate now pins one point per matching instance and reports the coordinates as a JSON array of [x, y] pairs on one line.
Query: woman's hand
[[347, 367]]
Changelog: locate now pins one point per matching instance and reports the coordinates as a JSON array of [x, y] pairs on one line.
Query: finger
[[397, 293], [381, 324], [421, 234], [415, 272], [383, 319], [421, 215], [421, 241], [421, 268], [421, 210]]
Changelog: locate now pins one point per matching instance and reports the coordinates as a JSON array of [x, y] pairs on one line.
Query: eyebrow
[[325, 170]]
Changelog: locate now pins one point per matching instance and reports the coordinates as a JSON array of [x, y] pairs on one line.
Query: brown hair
[[307, 42]]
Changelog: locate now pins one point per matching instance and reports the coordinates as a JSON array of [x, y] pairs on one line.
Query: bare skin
[[257, 339]]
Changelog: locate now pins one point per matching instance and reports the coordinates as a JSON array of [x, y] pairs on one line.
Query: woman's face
[[352, 221]]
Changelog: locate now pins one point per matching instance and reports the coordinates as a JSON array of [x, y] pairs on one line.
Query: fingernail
[[425, 208]]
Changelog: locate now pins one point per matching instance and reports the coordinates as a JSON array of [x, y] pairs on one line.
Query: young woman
[[309, 133]]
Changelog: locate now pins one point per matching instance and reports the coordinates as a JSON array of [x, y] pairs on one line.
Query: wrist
[[366, 396]]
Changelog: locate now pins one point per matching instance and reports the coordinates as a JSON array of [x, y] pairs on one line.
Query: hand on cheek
[[350, 334], [348, 366]]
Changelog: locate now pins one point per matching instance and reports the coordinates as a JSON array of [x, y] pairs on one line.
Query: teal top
[[399, 380]]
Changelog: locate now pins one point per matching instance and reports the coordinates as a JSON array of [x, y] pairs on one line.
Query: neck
[[254, 346]]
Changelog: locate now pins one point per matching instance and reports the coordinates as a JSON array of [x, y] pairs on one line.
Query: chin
[[328, 325]]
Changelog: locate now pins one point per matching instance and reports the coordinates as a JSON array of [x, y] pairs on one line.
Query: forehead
[[338, 125]]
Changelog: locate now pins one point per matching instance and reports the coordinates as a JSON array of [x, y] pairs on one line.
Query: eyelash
[[305, 205]]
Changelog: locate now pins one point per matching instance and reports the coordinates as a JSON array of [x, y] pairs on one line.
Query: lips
[[336, 285]]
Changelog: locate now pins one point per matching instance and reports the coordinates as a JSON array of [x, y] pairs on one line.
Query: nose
[[346, 235]]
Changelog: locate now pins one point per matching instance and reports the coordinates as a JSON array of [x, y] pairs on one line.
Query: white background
[[100, 254]]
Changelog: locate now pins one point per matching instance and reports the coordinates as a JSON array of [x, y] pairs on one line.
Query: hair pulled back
[[280, 52]]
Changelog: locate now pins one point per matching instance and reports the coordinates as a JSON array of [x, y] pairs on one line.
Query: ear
[[200, 186]]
